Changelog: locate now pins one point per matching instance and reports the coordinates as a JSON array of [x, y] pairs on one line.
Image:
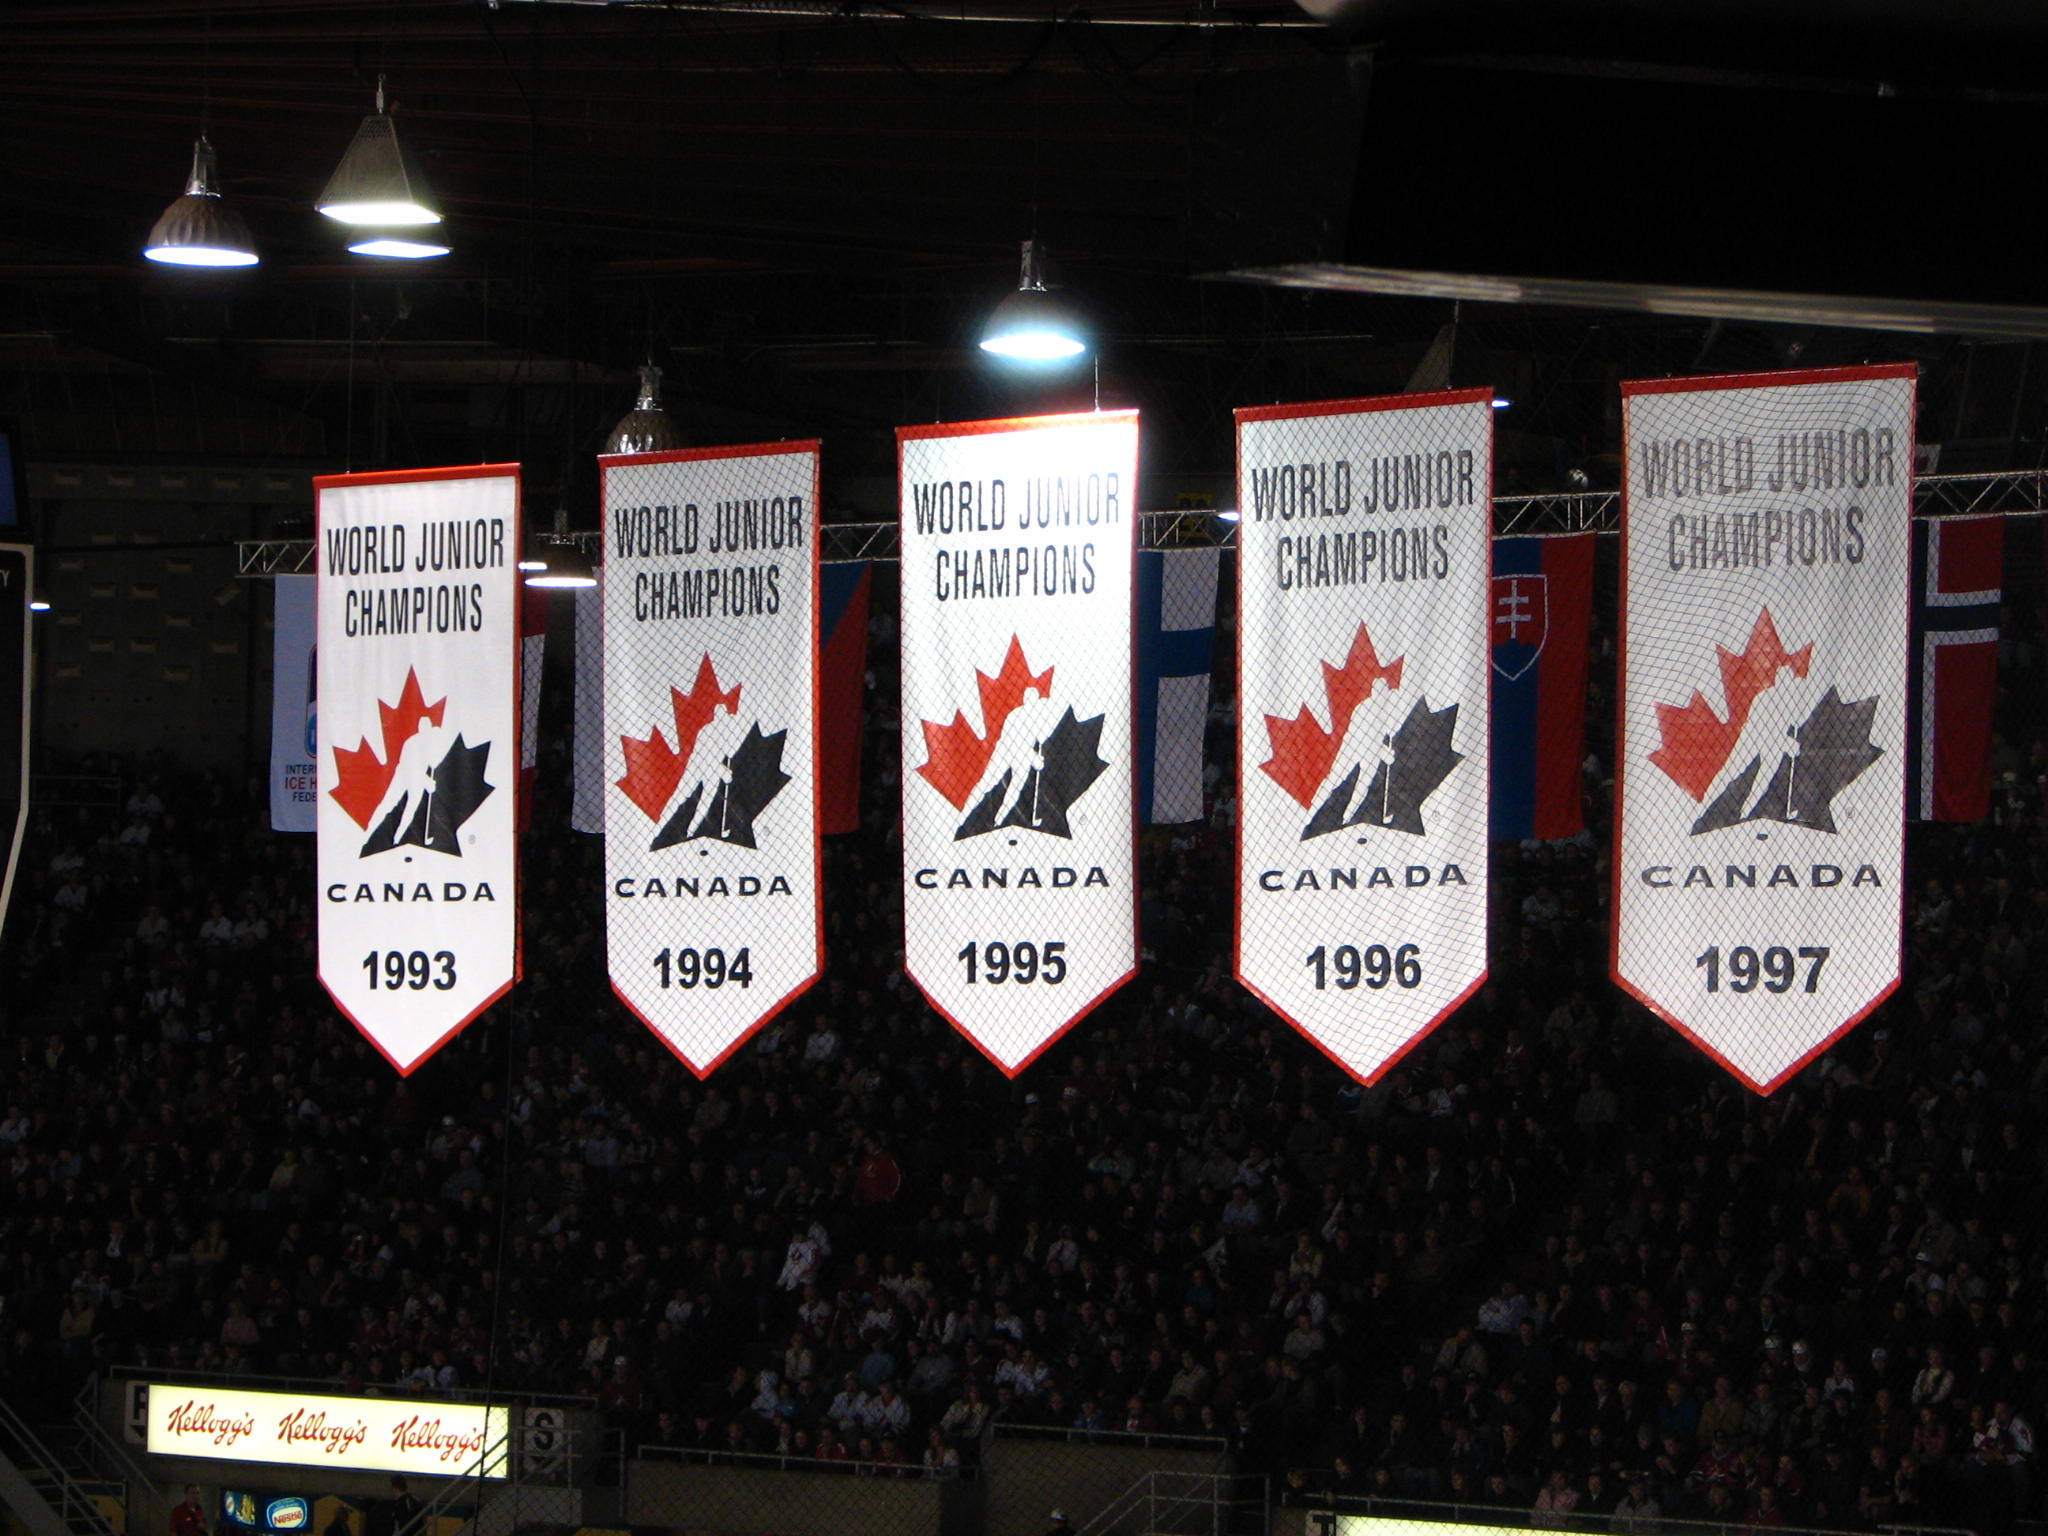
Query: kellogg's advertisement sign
[[429, 1439]]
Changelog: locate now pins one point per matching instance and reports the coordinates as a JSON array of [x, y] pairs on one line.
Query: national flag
[[533, 637], [1957, 568], [843, 590], [1542, 608], [17, 577], [586, 731], [1176, 643]]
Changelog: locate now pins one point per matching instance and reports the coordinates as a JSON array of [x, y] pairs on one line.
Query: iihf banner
[[1363, 664], [710, 724], [1019, 844], [418, 736], [294, 765], [1760, 783]]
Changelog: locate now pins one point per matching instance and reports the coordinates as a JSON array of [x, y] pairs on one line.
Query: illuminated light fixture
[[568, 565], [37, 602], [377, 183], [1227, 515], [558, 559], [402, 250], [1501, 402], [199, 229], [646, 428], [1031, 325]]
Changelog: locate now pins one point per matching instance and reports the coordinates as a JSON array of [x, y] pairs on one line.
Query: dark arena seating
[[1556, 1260]]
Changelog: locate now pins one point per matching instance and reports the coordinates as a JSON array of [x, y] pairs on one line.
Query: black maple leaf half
[[1070, 759], [755, 777], [1420, 758], [437, 817], [1831, 748]]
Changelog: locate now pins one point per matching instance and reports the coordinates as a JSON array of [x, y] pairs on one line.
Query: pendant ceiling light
[[1031, 325], [377, 183], [399, 249], [557, 558], [568, 563], [647, 428], [200, 229]]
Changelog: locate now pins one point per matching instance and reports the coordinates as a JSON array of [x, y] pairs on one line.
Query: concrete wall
[[762, 1501], [1028, 1478]]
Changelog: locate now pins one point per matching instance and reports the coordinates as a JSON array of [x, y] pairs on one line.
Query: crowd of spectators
[[1556, 1261]]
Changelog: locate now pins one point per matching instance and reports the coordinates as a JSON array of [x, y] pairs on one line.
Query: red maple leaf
[[1303, 752], [1697, 742], [652, 769], [363, 776], [954, 754]]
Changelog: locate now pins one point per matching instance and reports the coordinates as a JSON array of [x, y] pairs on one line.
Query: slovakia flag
[[1542, 609]]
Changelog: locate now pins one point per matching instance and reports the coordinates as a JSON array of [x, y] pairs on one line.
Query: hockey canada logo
[[1029, 763], [1813, 757], [732, 774], [424, 786], [1408, 759]]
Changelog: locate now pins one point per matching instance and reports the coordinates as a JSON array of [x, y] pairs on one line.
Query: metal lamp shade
[[377, 182], [199, 229], [647, 428], [1030, 325], [569, 565]]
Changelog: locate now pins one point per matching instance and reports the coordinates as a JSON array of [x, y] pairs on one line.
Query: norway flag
[[842, 690], [1958, 565], [1542, 608]]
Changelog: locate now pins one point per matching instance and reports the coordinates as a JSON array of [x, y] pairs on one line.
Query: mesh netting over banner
[[1765, 607], [710, 709], [1020, 901], [1364, 659]]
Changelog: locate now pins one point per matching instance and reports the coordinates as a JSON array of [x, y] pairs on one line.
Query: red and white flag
[[1765, 602], [712, 880], [1364, 661], [418, 739], [1019, 847], [1958, 574]]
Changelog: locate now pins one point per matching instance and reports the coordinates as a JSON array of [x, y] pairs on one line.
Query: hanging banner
[[586, 730], [1542, 616], [17, 583], [1364, 653], [1019, 849], [294, 765], [1176, 645], [1766, 599], [712, 880], [417, 677]]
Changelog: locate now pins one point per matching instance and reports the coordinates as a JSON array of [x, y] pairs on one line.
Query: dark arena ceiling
[[802, 209]]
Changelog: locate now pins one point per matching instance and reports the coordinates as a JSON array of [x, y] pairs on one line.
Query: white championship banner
[[1019, 852], [710, 710], [1760, 788], [1364, 670], [418, 738]]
